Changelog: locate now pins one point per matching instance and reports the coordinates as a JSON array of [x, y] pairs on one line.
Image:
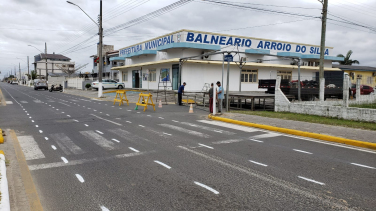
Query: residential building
[[53, 61], [365, 73], [110, 59]]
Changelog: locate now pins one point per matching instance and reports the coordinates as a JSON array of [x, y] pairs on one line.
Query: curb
[[4, 205], [300, 133]]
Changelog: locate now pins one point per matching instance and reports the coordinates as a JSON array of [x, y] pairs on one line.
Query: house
[[45, 63], [365, 73]]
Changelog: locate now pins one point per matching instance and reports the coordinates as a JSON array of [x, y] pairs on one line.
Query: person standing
[[180, 93], [211, 98], [220, 96]]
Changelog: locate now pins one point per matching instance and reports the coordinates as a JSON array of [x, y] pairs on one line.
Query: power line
[[269, 5]]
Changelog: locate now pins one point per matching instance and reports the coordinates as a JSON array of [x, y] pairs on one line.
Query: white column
[[214, 97], [358, 89], [346, 91]]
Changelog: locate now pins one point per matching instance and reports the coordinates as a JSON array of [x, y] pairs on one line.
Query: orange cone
[[160, 104], [191, 109]]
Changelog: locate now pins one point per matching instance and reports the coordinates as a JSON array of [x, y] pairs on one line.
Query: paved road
[[86, 154]]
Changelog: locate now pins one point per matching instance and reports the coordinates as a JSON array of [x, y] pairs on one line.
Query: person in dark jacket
[[211, 98], [180, 93]]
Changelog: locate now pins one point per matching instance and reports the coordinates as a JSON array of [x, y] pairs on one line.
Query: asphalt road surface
[[87, 154]]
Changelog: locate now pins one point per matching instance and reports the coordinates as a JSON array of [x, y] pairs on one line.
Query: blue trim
[[257, 51], [144, 52], [317, 56], [291, 54], [189, 45], [117, 58]]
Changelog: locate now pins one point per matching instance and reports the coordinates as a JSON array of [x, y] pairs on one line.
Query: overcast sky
[[65, 27]]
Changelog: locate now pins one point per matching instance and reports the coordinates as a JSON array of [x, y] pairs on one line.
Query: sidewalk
[[343, 132]]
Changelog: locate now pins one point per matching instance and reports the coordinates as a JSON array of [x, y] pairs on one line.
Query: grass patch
[[370, 105], [312, 119]]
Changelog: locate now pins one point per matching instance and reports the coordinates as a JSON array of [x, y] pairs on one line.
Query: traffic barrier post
[[120, 97], [145, 103]]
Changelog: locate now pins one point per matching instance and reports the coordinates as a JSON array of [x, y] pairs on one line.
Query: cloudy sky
[[67, 30]]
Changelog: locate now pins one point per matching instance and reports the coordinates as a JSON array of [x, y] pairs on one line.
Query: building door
[[175, 76], [136, 79]]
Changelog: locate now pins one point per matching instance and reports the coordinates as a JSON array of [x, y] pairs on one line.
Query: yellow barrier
[[189, 101], [1, 137], [144, 102], [121, 97]]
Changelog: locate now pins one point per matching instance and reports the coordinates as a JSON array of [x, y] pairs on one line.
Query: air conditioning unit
[[244, 59], [259, 61], [206, 57]]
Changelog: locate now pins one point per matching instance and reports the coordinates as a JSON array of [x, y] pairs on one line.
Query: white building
[[52, 60], [263, 58]]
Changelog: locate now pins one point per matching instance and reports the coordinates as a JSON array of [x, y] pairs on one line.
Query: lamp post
[[28, 73], [46, 60], [100, 66]]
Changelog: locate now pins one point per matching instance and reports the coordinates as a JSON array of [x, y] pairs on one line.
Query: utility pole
[[100, 67], [19, 69], [28, 73], [322, 48], [45, 53]]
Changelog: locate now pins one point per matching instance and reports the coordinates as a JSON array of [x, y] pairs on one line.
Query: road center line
[[36, 126], [133, 149], [302, 151], [174, 121], [128, 121], [40, 131], [80, 178], [207, 187], [64, 159], [107, 120], [98, 132], [141, 125], [261, 164], [160, 117], [311, 180], [116, 140], [75, 120], [86, 125], [256, 140], [167, 134], [53, 147], [46, 138], [357, 164], [32, 120], [206, 146], [162, 164]]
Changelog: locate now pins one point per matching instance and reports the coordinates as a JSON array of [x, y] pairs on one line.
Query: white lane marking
[[129, 110], [98, 139], [94, 110], [160, 117], [29, 117], [162, 164], [66, 144], [207, 128], [40, 131], [113, 106], [9, 102], [100, 112], [128, 121], [32, 120], [256, 140], [133, 149], [28, 114], [49, 105], [53, 107], [99, 132], [75, 120], [229, 125], [86, 125], [167, 134], [107, 120], [174, 121], [138, 112], [80, 178], [62, 112], [115, 140], [206, 187], [228, 141], [302, 151], [64, 159], [261, 164], [205, 146], [311, 180], [266, 135], [36, 126], [191, 132], [148, 115], [357, 164], [46, 138], [107, 114], [141, 125], [104, 208], [53, 147], [30, 148], [68, 116], [57, 109]]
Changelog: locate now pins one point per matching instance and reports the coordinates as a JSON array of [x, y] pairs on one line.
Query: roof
[[53, 56], [228, 35], [61, 74], [248, 64], [355, 67]]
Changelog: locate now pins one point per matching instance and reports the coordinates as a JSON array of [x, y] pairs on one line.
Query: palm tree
[[347, 60]]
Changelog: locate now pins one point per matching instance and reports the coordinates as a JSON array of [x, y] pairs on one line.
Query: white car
[[14, 82], [108, 84]]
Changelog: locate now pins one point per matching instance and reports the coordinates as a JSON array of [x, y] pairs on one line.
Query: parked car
[[40, 84], [364, 90], [108, 84], [14, 82]]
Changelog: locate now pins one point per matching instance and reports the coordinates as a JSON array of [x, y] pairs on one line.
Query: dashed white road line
[[133, 149], [46, 138], [86, 125], [68, 116], [94, 110], [104, 208], [80, 178], [53, 147], [29, 117], [64, 159], [162, 164], [75, 120], [107, 114], [167, 134], [311, 180], [160, 117], [116, 140], [256, 140], [206, 146], [40, 131], [261, 164], [302, 151], [174, 121], [36, 126], [129, 110], [141, 125], [206, 187], [128, 121], [357, 164], [32, 120], [98, 132]]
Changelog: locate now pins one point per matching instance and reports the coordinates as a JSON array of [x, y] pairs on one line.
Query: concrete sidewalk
[[343, 132]]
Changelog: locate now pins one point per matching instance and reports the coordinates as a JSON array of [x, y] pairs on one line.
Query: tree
[[347, 60], [33, 74]]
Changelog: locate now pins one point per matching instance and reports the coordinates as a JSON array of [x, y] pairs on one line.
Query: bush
[[88, 86]]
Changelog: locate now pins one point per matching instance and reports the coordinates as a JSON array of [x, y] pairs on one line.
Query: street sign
[[229, 58]]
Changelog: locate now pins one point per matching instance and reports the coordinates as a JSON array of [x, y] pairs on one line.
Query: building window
[[125, 76], [285, 74], [71, 65], [249, 76], [152, 75], [369, 80]]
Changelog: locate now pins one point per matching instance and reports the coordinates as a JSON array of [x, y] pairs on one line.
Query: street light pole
[[322, 49]]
